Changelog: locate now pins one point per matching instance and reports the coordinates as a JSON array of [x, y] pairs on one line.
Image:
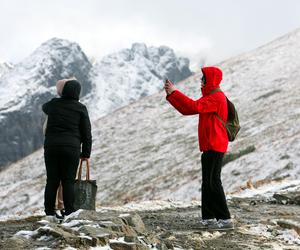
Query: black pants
[[214, 203], [61, 166]]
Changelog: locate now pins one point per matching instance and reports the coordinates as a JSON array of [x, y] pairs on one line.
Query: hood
[[71, 90], [213, 78], [60, 86]]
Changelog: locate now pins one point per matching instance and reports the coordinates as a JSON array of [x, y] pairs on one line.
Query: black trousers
[[61, 166], [214, 203]]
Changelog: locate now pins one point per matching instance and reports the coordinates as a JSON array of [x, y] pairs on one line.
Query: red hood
[[213, 78]]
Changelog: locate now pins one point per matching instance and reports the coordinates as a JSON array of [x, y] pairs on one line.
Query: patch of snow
[[268, 190], [45, 238], [260, 229], [74, 215], [124, 215], [85, 237], [150, 206], [107, 247], [26, 234], [74, 223], [70, 248], [289, 236]]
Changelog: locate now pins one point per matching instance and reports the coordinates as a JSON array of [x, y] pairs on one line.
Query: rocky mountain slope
[[260, 223], [29, 84], [147, 150], [114, 81], [5, 67], [130, 74]]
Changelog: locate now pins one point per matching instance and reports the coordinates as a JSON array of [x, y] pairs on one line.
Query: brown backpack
[[232, 125]]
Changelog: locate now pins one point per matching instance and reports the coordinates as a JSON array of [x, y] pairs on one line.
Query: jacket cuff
[[82, 155], [169, 96]]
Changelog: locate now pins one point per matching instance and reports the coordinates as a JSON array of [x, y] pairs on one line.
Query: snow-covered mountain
[[5, 67], [113, 82], [29, 84], [147, 150], [130, 74]]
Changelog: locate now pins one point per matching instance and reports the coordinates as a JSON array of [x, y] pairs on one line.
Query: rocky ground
[[260, 224]]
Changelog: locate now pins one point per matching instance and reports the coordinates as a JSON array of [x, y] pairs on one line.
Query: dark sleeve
[[85, 134], [45, 107]]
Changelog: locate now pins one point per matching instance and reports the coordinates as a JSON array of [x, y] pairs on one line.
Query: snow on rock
[[26, 234], [288, 236]]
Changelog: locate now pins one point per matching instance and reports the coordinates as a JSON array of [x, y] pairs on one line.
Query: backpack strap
[[221, 120], [214, 91]]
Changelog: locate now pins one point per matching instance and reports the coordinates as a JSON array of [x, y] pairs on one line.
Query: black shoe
[[62, 212], [60, 217]]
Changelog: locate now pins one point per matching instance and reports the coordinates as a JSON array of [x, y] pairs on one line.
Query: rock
[[288, 197], [136, 222], [161, 246], [290, 224], [54, 231], [82, 214], [127, 246], [15, 243], [68, 236], [130, 239], [101, 234], [128, 231], [168, 243], [261, 228]]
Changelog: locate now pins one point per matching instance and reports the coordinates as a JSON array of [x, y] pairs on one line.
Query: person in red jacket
[[213, 142]]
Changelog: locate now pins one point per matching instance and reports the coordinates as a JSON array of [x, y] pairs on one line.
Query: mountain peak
[[56, 42], [53, 51], [140, 48], [132, 73]]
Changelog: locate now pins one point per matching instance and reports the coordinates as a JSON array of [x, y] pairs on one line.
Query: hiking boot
[[206, 223], [222, 225]]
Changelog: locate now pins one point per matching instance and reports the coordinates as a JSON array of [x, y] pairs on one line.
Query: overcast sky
[[216, 29]]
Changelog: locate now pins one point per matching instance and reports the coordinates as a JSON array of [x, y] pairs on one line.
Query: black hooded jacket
[[68, 120]]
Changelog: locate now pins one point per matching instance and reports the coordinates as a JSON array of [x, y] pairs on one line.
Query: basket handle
[[87, 169]]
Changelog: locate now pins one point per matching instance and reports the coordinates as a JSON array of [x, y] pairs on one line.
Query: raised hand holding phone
[[169, 87]]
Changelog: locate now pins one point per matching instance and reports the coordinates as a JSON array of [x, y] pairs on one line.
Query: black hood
[[71, 90]]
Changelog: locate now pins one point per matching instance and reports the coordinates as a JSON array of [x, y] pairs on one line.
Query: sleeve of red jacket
[[188, 106]]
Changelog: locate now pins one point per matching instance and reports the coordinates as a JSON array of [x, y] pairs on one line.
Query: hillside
[[148, 151]]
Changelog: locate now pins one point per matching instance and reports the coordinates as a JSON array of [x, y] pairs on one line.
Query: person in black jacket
[[67, 139]]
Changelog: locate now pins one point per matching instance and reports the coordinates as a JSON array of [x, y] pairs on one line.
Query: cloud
[[214, 29]]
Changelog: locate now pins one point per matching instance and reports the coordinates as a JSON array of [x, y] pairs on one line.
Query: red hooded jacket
[[211, 132]]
